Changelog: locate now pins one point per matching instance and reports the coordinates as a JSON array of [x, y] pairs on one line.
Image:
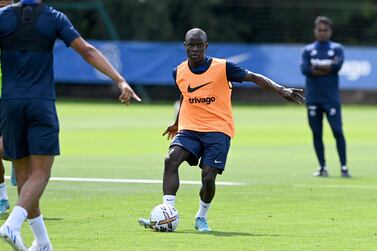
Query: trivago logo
[[207, 100], [353, 70]]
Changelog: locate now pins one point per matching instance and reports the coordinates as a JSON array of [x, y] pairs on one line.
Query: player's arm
[[290, 94], [334, 67], [172, 130], [94, 57], [310, 70]]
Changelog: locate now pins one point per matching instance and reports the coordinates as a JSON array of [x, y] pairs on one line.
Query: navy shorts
[[210, 147], [29, 127]]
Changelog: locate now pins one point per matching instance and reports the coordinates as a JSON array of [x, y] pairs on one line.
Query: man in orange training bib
[[204, 124]]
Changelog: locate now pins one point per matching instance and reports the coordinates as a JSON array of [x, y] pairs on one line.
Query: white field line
[[138, 181], [337, 186]]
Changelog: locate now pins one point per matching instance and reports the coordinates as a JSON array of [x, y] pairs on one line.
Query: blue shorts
[[210, 147], [29, 127]]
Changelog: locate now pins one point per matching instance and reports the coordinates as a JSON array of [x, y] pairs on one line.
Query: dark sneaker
[[346, 174], [321, 173]]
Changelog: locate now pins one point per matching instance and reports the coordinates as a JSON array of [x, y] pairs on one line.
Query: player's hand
[[171, 131], [127, 93], [292, 94]]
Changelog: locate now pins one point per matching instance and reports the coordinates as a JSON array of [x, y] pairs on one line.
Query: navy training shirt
[[29, 74], [234, 73], [324, 89]]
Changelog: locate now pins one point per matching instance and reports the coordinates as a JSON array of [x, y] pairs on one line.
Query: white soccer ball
[[164, 218]]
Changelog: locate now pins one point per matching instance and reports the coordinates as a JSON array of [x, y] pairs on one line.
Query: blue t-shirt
[[234, 73], [29, 74], [324, 89]]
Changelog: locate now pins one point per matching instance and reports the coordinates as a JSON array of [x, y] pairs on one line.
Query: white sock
[[168, 200], [203, 209], [344, 168], [3, 192], [16, 218], [39, 230]]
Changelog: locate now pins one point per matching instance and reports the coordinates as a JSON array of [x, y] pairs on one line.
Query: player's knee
[[170, 164], [209, 176]]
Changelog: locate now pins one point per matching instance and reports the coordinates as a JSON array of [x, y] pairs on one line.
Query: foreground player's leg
[[170, 183], [315, 117], [335, 121], [42, 241], [4, 203], [32, 177], [10, 230], [207, 193]]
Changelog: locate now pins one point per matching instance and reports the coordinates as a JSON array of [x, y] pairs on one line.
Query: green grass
[[281, 207]]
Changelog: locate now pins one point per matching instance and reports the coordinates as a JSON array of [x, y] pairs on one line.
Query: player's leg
[[10, 230], [206, 194], [315, 117], [30, 194], [14, 134], [170, 184], [185, 147], [334, 117], [43, 144], [4, 203], [215, 150]]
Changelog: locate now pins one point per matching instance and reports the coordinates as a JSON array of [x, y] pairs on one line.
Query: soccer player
[[321, 62], [28, 31], [204, 125], [4, 203]]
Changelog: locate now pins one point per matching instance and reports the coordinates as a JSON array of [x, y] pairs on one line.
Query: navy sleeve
[[8, 21], [65, 29], [175, 75], [234, 73], [339, 59], [305, 63]]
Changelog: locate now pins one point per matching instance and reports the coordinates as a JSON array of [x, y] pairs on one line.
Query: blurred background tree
[[243, 21]]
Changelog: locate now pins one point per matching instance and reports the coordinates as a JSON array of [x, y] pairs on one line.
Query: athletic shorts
[[211, 148], [29, 127]]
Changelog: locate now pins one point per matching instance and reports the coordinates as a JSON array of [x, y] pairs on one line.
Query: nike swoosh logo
[[192, 89]]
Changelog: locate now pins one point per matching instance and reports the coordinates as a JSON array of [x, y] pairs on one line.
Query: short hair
[[197, 31], [323, 20]]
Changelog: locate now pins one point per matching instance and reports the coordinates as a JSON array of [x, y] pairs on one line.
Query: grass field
[[281, 207]]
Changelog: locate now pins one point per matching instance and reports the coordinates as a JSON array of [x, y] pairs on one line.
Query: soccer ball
[[164, 218]]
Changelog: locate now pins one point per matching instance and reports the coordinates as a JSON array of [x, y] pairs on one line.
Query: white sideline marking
[[337, 186], [139, 181]]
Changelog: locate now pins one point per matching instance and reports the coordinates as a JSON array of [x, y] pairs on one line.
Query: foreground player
[[321, 62], [204, 125], [4, 203], [28, 31]]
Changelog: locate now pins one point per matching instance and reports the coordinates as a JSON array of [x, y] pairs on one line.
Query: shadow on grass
[[4, 216], [52, 219], [227, 234]]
